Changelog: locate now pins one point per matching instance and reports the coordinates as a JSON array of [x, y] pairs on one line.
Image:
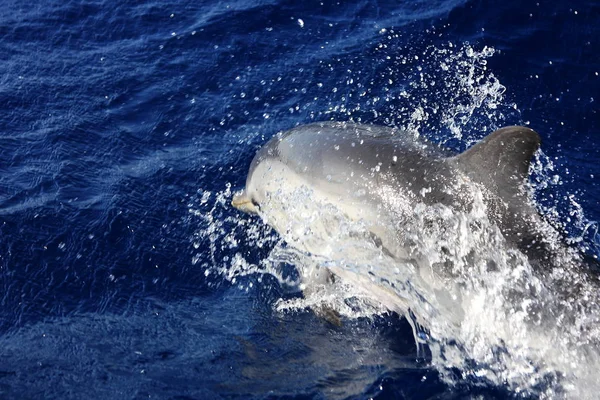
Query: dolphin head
[[266, 173]]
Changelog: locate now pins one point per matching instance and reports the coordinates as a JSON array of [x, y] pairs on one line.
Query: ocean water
[[125, 127]]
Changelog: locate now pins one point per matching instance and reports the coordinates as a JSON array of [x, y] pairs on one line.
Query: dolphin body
[[376, 175]]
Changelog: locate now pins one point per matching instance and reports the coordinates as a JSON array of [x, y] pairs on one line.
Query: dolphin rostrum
[[378, 176]]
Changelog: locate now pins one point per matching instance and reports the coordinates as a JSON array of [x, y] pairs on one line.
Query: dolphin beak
[[242, 202]]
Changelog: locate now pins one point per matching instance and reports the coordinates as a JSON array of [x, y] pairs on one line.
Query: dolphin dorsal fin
[[501, 160]]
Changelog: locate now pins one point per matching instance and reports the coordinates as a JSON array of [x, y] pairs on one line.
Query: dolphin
[[376, 175]]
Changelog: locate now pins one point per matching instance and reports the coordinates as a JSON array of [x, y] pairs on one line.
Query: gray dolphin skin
[[364, 169]]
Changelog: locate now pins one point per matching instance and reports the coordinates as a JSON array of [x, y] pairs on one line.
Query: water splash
[[488, 312]]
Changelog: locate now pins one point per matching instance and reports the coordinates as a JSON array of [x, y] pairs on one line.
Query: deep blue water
[[116, 118]]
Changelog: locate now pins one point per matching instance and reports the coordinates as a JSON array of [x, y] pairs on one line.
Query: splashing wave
[[487, 312]]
